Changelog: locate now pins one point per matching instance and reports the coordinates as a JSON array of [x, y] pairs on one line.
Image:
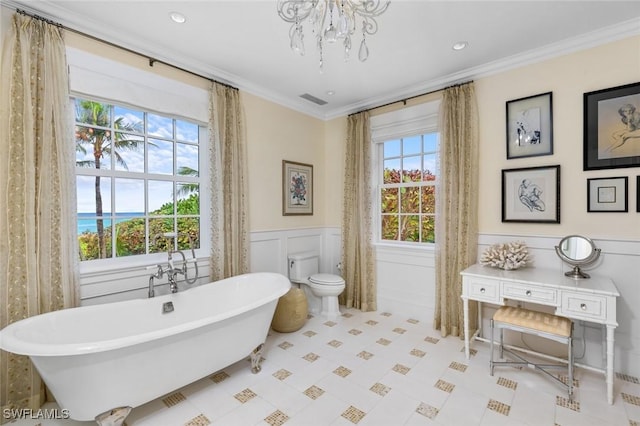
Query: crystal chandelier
[[332, 21]]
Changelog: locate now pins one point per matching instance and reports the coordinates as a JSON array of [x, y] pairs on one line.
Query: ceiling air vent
[[313, 99]]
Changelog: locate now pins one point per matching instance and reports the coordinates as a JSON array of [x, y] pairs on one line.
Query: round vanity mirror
[[577, 251]]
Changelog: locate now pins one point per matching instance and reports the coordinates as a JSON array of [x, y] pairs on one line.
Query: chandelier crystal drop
[[332, 22]]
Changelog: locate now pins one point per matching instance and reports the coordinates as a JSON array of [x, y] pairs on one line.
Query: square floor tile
[[353, 414]]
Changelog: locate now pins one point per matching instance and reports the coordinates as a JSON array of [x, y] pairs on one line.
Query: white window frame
[[411, 121], [101, 79]]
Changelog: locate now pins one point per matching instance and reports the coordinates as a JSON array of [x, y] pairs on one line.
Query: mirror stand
[[576, 273], [577, 251]]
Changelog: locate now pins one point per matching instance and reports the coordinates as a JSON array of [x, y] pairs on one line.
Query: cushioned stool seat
[[540, 324]]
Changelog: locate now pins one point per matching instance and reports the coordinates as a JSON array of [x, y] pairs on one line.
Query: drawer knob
[[528, 293], [482, 290], [583, 306]]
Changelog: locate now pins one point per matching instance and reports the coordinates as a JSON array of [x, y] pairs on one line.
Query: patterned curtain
[[358, 256], [457, 206], [229, 184], [38, 245]]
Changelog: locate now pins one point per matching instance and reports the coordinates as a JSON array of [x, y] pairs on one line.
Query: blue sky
[[160, 150], [411, 148]]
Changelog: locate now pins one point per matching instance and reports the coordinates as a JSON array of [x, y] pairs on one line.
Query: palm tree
[[96, 136], [187, 188]]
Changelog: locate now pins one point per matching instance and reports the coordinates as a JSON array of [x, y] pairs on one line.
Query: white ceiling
[[245, 44]]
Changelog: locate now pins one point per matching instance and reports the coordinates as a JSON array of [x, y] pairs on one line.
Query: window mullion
[[141, 161]]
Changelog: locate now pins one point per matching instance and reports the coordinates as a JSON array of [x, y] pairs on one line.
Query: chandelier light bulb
[[320, 15]]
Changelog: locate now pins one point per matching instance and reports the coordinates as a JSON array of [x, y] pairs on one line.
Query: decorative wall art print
[[607, 194], [297, 188], [612, 128], [531, 194], [530, 126]]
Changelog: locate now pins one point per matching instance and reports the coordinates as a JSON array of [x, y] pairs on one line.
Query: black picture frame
[[530, 126], [531, 194], [612, 128], [608, 195]]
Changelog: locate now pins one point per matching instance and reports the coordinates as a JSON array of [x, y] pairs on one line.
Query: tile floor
[[381, 369]]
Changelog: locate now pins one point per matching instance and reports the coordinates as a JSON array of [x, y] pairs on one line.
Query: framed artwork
[[531, 194], [530, 126], [612, 128], [297, 188], [607, 194]]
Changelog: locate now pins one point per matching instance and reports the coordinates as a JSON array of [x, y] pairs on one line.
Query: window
[[138, 179], [407, 188], [406, 142]]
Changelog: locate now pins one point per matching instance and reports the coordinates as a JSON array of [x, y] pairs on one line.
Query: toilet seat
[[326, 279]]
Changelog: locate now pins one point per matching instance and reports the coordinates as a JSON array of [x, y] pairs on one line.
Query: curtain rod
[[152, 61], [404, 101]]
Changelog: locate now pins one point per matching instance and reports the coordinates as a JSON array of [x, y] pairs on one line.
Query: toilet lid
[[326, 279]]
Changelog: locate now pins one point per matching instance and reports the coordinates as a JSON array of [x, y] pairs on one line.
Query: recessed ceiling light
[[460, 45], [331, 92], [177, 17]]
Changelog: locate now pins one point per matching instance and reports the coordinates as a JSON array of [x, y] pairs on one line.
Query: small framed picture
[[531, 194], [297, 188], [612, 128], [607, 194], [530, 126]]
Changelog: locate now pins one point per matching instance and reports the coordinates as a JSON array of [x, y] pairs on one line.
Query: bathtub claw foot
[[113, 417], [256, 359]]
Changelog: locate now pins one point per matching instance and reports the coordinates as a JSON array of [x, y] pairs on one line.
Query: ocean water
[[87, 221]]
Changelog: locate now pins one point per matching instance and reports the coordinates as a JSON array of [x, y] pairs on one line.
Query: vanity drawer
[[529, 293], [483, 290], [584, 306]]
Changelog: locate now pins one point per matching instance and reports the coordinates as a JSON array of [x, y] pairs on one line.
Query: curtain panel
[[229, 184], [358, 256], [38, 247], [457, 205]]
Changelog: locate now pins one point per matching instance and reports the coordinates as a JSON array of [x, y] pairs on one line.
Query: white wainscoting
[[406, 281], [120, 284], [270, 249]]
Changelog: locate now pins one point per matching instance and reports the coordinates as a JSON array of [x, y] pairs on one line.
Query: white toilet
[[322, 290]]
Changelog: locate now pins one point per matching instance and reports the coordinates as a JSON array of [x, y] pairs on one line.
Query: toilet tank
[[303, 265]]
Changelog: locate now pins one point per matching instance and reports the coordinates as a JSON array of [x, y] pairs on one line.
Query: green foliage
[[408, 211], [130, 234]]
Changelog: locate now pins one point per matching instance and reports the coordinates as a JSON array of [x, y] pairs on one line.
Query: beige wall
[[276, 133], [568, 77], [334, 148]]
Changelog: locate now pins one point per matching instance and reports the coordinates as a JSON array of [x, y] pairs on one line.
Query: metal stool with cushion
[[541, 324]]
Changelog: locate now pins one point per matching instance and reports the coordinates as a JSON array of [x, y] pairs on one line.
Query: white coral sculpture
[[506, 256]]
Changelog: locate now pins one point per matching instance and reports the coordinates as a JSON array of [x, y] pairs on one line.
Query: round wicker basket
[[291, 311]]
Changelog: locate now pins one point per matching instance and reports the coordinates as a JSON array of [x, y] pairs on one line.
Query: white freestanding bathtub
[[95, 359]]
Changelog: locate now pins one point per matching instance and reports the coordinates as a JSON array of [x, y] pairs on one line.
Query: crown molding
[[57, 13], [575, 44]]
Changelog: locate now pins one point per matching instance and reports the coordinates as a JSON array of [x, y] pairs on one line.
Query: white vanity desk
[[592, 300]]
